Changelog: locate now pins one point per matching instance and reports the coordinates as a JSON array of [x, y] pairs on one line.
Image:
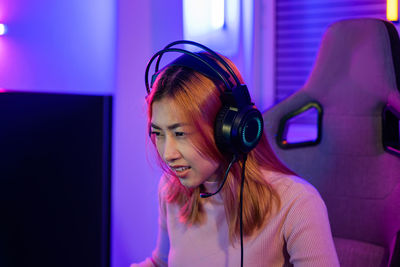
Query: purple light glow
[[58, 46]]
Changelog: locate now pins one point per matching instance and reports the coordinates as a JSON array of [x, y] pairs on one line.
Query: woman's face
[[173, 138]]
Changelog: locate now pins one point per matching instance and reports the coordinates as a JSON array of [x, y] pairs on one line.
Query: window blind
[[300, 25]]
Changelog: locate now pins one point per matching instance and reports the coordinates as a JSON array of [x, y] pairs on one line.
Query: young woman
[[284, 219]]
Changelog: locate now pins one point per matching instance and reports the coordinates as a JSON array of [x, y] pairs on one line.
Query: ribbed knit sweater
[[298, 234]]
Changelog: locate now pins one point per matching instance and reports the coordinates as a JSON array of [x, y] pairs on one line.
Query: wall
[[263, 51], [143, 28], [58, 46]]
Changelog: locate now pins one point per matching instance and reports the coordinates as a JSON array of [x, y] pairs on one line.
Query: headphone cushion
[[222, 128], [238, 131], [247, 129]]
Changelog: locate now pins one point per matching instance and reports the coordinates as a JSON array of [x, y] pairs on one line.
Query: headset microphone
[[206, 195]]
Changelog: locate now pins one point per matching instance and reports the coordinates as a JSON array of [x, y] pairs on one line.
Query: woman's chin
[[188, 184]]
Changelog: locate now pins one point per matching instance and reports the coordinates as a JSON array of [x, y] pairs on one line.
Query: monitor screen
[[55, 168]]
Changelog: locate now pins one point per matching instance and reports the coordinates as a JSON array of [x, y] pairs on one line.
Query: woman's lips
[[180, 171]]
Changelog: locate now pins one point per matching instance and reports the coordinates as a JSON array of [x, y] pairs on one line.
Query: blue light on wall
[[218, 14], [203, 17], [214, 23]]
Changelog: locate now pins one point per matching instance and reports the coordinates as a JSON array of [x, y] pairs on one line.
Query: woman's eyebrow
[[170, 127], [155, 126]]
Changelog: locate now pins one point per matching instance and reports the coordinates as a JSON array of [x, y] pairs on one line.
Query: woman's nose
[[171, 152]]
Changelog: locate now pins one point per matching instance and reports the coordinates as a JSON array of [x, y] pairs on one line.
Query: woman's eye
[[179, 134], [155, 133]]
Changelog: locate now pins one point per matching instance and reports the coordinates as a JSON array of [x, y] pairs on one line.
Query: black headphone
[[239, 125]]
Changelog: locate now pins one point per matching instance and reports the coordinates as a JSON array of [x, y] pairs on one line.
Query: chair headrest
[[356, 60]]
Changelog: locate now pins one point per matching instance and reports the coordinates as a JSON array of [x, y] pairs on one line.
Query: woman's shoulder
[[290, 185], [298, 198]]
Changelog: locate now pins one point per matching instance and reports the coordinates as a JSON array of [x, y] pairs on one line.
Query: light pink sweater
[[298, 234]]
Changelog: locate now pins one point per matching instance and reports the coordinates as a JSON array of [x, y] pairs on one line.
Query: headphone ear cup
[[223, 127], [248, 127], [238, 131]]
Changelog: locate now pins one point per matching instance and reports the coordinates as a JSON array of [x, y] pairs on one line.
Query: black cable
[[241, 209], [206, 195]]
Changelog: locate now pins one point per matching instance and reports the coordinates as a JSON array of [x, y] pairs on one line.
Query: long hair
[[198, 100]]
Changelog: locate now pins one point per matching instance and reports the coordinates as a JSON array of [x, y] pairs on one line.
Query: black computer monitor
[[55, 169]]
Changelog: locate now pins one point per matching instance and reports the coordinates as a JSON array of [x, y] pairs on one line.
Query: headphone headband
[[201, 59], [204, 48]]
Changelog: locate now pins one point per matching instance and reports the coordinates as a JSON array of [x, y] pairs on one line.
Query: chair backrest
[[354, 162]]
